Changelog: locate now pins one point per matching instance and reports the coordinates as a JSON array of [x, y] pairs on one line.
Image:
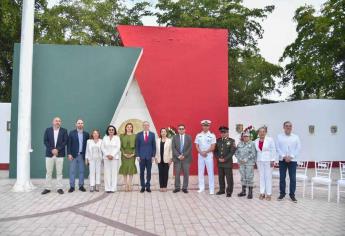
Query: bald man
[[55, 140]]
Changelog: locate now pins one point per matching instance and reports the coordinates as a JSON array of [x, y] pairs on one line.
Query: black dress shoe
[[281, 197], [60, 191], [220, 193], [108, 191], [81, 188], [148, 190], [228, 195], [46, 191], [71, 190], [293, 198], [176, 191], [185, 190], [142, 190]]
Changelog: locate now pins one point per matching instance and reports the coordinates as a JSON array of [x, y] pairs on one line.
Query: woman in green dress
[[128, 167]]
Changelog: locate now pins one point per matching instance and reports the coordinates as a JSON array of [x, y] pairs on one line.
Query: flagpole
[[23, 183]]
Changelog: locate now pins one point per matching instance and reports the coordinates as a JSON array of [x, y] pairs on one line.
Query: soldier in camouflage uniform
[[224, 150], [246, 156]]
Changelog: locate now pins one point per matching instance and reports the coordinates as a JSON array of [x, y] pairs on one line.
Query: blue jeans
[[78, 161], [145, 163], [291, 167]]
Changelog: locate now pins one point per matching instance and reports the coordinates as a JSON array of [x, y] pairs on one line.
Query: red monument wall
[[183, 76]]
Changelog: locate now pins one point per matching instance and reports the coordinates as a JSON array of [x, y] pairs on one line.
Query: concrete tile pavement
[[156, 213]]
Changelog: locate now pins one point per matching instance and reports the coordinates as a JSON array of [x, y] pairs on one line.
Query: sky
[[279, 29]]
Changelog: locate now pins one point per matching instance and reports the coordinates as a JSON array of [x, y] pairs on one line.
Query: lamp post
[[23, 182]]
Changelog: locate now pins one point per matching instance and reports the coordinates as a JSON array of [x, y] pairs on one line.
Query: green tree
[[250, 76], [316, 65], [10, 24], [85, 22]]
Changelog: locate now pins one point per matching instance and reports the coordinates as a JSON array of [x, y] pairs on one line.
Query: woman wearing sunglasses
[[111, 145]]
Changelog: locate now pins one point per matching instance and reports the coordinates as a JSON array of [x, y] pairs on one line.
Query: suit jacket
[[73, 143], [225, 148], [145, 150], [268, 152], [167, 150], [48, 140], [187, 148]]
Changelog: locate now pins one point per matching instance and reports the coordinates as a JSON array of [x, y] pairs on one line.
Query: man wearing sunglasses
[[182, 157]]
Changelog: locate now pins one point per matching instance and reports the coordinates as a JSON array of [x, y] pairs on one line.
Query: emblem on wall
[[311, 129], [239, 128], [8, 126], [137, 126], [334, 129]]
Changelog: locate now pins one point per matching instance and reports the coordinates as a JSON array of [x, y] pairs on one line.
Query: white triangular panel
[[133, 106]]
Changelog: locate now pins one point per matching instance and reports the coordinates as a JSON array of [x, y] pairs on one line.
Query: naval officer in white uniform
[[205, 143]]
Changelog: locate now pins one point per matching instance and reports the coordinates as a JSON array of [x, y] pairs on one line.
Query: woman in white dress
[[93, 158], [111, 145]]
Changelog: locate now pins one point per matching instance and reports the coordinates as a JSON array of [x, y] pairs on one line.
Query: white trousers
[[265, 171], [50, 162], [110, 174], [208, 162], [95, 172]]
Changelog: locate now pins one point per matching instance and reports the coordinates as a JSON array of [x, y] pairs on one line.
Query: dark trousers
[[145, 163], [184, 166], [291, 167], [163, 171], [222, 174]]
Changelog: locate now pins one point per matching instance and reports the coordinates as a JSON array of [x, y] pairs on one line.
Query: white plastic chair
[[341, 181], [323, 170], [275, 171], [301, 173]]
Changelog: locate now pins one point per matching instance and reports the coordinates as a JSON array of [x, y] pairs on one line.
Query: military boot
[[243, 193], [250, 193]]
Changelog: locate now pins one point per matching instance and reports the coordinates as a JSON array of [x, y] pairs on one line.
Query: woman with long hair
[[128, 167]]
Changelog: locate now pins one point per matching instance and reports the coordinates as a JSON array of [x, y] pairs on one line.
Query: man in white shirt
[[288, 147], [205, 143]]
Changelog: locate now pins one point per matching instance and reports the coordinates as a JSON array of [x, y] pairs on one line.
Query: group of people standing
[[92, 150], [264, 152]]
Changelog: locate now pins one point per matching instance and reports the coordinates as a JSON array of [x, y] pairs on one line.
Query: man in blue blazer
[[76, 147], [145, 149], [55, 140]]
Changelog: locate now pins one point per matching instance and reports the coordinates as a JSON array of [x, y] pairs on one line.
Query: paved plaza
[[156, 213]]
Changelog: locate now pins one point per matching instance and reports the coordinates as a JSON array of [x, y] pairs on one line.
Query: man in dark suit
[[182, 157], [224, 150], [145, 149], [76, 147], [55, 140]]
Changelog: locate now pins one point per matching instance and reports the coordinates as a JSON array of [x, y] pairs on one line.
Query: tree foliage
[[93, 22], [250, 76], [316, 65], [86, 22]]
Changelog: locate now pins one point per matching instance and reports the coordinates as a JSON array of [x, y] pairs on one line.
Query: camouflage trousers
[[247, 175]]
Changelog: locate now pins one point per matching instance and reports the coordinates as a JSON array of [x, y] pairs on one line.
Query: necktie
[[146, 137], [181, 144]]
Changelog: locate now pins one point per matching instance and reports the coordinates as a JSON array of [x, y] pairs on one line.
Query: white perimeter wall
[[5, 115], [322, 145]]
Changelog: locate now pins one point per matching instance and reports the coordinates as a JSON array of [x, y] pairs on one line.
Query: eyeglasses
[[181, 128], [111, 130]]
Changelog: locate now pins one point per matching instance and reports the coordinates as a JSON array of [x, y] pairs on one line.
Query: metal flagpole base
[[25, 186]]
